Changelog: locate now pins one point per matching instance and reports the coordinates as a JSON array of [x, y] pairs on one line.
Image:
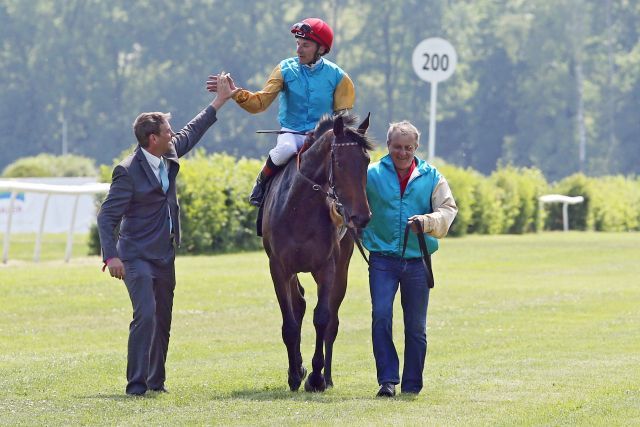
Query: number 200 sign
[[434, 60]]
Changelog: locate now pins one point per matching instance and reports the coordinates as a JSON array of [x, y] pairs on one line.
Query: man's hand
[[221, 85], [116, 268], [423, 220], [214, 80]]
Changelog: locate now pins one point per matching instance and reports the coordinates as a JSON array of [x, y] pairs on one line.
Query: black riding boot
[[257, 194], [268, 170]]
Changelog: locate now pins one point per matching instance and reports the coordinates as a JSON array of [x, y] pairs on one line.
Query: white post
[[67, 255], [5, 254], [36, 253], [432, 122], [565, 216]]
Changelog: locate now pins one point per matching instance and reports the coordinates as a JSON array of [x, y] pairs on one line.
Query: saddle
[[261, 209], [307, 143], [336, 217]]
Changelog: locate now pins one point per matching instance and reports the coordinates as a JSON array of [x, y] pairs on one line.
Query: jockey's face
[[307, 49], [401, 149]]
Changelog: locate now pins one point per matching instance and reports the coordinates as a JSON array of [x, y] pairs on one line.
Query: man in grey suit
[[142, 201]]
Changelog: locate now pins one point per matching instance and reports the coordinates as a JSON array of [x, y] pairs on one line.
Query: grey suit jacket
[[137, 203]]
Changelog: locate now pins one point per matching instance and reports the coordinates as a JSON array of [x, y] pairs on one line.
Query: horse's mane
[[349, 120]]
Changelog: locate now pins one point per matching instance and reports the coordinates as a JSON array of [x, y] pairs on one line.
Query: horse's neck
[[313, 163]]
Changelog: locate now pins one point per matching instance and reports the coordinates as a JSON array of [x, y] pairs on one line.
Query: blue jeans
[[385, 274]]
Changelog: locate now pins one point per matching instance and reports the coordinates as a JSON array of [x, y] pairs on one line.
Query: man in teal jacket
[[401, 189]]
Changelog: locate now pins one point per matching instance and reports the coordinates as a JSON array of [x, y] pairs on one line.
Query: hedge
[[48, 165], [213, 191], [216, 216]]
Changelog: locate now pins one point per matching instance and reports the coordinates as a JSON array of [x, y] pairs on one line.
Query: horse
[[299, 235]]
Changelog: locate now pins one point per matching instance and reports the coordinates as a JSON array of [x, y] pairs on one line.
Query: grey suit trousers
[[150, 284]]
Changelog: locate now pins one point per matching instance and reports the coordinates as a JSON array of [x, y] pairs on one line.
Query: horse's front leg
[[335, 300], [292, 313], [321, 316]]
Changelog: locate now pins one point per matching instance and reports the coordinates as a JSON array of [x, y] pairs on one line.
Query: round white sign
[[434, 60]]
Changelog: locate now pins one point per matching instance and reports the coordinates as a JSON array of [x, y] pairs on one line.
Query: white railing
[[16, 187], [565, 200]]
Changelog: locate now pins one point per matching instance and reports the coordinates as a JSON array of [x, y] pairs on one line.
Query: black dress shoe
[[387, 390], [136, 393], [162, 389]]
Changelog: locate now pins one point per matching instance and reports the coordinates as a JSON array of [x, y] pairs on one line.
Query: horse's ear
[[362, 129], [338, 126]]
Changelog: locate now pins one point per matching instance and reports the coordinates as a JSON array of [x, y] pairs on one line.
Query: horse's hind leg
[[291, 323], [337, 296]]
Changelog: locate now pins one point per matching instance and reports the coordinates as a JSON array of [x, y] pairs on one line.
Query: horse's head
[[348, 169]]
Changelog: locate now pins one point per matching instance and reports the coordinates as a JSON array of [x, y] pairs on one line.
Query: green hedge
[[213, 191], [519, 189], [463, 185], [47, 165], [216, 216], [611, 203], [214, 197]]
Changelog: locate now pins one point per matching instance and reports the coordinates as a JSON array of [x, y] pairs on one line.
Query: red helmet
[[314, 29]]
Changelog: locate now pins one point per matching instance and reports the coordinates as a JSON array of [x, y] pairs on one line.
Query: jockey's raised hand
[[212, 83]]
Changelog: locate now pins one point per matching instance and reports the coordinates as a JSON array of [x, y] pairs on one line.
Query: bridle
[[332, 194]]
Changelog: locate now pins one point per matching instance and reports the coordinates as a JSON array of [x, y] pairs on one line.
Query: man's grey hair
[[403, 127]]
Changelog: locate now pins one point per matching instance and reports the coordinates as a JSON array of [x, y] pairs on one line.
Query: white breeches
[[288, 144]]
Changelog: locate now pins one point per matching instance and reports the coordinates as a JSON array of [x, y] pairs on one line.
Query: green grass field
[[523, 330]]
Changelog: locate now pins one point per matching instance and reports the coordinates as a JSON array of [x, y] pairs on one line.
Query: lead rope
[[426, 256], [356, 239]]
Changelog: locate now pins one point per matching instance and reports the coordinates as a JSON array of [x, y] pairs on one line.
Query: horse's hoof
[[294, 383], [315, 386]]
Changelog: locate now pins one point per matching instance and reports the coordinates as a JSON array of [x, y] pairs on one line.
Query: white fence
[[47, 205], [565, 200]]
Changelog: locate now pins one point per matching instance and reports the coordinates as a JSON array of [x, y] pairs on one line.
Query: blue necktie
[[164, 176], [164, 180]]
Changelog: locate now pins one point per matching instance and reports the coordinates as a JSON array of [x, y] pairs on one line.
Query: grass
[[52, 246], [523, 330]]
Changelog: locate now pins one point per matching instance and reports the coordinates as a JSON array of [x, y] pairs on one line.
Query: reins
[[426, 256]]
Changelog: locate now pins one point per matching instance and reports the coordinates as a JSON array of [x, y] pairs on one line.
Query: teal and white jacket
[[427, 194]]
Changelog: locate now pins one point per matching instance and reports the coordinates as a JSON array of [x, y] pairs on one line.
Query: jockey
[[308, 87]]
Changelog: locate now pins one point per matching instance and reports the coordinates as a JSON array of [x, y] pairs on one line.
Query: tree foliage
[[550, 84]]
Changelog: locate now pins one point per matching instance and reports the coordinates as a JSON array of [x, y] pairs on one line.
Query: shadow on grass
[[120, 397], [258, 395], [279, 394]]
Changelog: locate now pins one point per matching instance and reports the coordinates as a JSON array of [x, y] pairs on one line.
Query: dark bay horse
[[299, 236]]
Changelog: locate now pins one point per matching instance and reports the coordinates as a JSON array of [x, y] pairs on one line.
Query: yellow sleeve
[[257, 102], [345, 95]]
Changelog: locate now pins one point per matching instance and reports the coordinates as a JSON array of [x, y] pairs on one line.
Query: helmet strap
[[317, 55]]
